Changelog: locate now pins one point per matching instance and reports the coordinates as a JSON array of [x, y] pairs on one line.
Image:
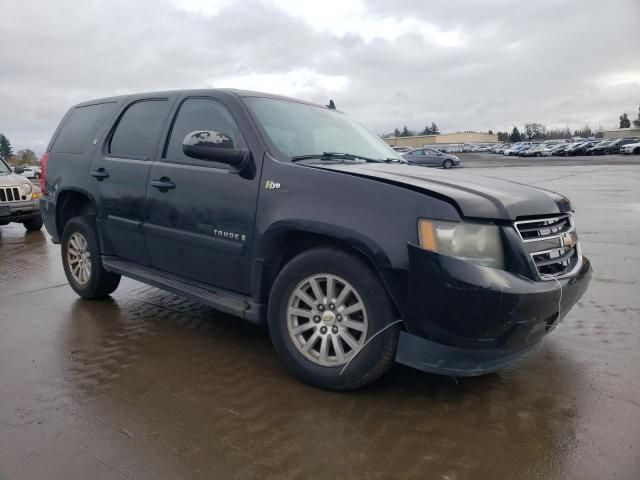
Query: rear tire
[[81, 260], [447, 164], [327, 316], [33, 224]]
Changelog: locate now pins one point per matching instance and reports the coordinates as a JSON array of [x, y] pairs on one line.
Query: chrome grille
[[9, 194], [546, 228], [552, 244]]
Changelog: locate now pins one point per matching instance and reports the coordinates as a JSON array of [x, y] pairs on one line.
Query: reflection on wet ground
[[149, 385]]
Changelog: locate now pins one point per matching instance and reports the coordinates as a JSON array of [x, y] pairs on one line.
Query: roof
[[207, 91]]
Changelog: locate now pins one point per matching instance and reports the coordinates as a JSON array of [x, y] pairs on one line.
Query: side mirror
[[19, 170], [215, 146]]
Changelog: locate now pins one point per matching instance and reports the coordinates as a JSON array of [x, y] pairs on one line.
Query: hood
[[474, 195], [11, 179]]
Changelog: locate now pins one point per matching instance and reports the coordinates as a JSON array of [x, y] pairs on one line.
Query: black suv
[[291, 213]]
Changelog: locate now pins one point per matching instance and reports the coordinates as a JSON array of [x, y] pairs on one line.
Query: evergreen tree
[[406, 132], [503, 136], [624, 121], [434, 129], [6, 151], [396, 132], [636, 122], [515, 135], [426, 131]]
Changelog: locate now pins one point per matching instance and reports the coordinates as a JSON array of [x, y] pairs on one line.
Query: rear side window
[[80, 128], [137, 132]]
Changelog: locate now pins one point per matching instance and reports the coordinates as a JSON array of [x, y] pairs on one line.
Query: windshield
[[298, 129], [4, 168]]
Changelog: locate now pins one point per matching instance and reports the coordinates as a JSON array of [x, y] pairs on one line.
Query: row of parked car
[[580, 147]]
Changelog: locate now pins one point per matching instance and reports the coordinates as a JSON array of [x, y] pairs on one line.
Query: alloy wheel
[[326, 320], [79, 258]]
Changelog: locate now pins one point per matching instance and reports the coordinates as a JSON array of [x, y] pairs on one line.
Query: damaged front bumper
[[464, 319]]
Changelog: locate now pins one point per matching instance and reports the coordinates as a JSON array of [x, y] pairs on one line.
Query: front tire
[[329, 318], [447, 164], [33, 224], [81, 260]]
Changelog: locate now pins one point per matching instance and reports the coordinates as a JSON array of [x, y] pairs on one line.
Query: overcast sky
[[467, 65]]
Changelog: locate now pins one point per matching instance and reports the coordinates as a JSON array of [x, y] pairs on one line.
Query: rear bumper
[[469, 319], [48, 209]]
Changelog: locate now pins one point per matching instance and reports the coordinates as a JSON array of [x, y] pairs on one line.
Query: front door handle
[[164, 184], [100, 174]]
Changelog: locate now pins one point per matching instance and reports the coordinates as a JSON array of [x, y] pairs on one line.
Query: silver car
[[429, 157], [19, 199]]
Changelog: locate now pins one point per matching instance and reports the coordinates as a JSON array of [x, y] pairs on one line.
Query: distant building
[[448, 138], [621, 132]]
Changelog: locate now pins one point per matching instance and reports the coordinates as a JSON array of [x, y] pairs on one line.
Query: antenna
[[331, 106]]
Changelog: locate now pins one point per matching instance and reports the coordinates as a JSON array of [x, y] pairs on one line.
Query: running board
[[225, 301]]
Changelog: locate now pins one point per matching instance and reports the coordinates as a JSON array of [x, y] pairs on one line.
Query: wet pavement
[[149, 385]]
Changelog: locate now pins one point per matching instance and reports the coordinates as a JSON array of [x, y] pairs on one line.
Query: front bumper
[[466, 319], [19, 211]]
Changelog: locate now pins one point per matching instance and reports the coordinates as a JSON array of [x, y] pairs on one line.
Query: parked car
[[533, 150], [19, 199], [596, 145], [559, 150], [37, 171], [631, 148], [428, 157], [29, 172], [300, 218], [516, 148], [580, 148], [614, 146]]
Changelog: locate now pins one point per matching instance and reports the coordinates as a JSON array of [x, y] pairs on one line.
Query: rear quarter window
[[80, 128]]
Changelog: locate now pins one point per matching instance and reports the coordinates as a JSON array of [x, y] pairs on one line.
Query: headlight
[[26, 188], [473, 242]]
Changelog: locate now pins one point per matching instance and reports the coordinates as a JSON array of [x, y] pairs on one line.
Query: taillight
[[43, 171]]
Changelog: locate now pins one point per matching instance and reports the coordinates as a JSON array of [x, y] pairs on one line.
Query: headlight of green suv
[[26, 188], [474, 242]]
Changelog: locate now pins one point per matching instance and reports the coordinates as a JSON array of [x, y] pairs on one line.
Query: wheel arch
[[72, 203], [285, 240]]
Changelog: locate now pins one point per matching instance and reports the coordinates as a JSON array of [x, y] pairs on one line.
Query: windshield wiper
[[339, 156]]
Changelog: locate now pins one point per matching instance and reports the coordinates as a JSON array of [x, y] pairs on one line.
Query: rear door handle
[[164, 184], [100, 174]]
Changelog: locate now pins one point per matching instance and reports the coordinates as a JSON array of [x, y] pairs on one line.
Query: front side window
[[297, 129], [201, 114], [137, 132]]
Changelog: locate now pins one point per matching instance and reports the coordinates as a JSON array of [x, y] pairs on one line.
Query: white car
[[28, 172], [630, 148]]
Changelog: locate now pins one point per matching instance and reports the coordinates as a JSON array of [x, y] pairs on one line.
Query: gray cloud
[[478, 66]]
